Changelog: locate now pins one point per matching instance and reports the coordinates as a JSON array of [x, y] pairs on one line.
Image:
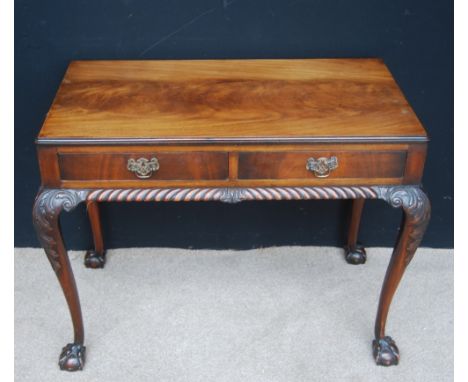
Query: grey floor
[[273, 314]]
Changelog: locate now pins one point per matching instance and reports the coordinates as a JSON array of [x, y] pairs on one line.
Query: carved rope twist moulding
[[50, 202]]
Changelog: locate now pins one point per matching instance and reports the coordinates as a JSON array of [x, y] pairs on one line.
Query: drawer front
[[348, 164], [153, 166]]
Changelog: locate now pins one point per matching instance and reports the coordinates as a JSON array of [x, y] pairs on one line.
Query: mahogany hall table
[[230, 130]]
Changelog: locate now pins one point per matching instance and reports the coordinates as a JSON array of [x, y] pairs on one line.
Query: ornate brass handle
[[143, 168], [322, 167]]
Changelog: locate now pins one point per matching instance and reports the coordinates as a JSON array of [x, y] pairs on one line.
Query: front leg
[[46, 211], [417, 211]]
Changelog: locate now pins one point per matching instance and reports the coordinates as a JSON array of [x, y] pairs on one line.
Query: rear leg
[[355, 253], [95, 258]]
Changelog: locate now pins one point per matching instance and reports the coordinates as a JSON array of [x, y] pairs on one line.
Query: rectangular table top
[[229, 101]]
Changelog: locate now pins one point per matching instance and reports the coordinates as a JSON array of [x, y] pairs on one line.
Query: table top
[[229, 101]]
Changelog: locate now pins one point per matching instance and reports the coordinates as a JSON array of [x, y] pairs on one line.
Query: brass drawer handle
[[322, 167], [143, 168]]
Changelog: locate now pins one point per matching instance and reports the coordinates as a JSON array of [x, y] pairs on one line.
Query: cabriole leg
[[416, 207], [354, 253], [46, 211], [95, 258]]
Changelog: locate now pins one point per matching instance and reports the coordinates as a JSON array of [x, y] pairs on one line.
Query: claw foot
[[355, 255], [72, 357], [94, 260], [385, 351]]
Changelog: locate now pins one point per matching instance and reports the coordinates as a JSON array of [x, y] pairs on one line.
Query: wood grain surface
[[172, 166], [267, 118], [89, 166], [227, 101], [351, 164]]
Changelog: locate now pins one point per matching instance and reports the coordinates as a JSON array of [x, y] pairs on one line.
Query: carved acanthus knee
[[46, 211], [417, 208]]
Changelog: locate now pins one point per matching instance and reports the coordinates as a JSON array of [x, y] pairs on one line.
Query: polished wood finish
[[207, 165], [172, 166], [351, 164], [415, 163], [46, 212], [355, 253], [95, 258], [229, 101], [230, 131], [95, 221], [417, 211]]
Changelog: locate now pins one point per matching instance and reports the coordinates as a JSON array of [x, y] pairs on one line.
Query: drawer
[[152, 166], [349, 164]]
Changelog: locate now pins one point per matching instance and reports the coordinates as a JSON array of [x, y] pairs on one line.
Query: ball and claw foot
[[385, 351], [355, 255], [72, 357], [94, 260]]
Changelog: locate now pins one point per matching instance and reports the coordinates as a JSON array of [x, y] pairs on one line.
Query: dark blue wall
[[415, 38]]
